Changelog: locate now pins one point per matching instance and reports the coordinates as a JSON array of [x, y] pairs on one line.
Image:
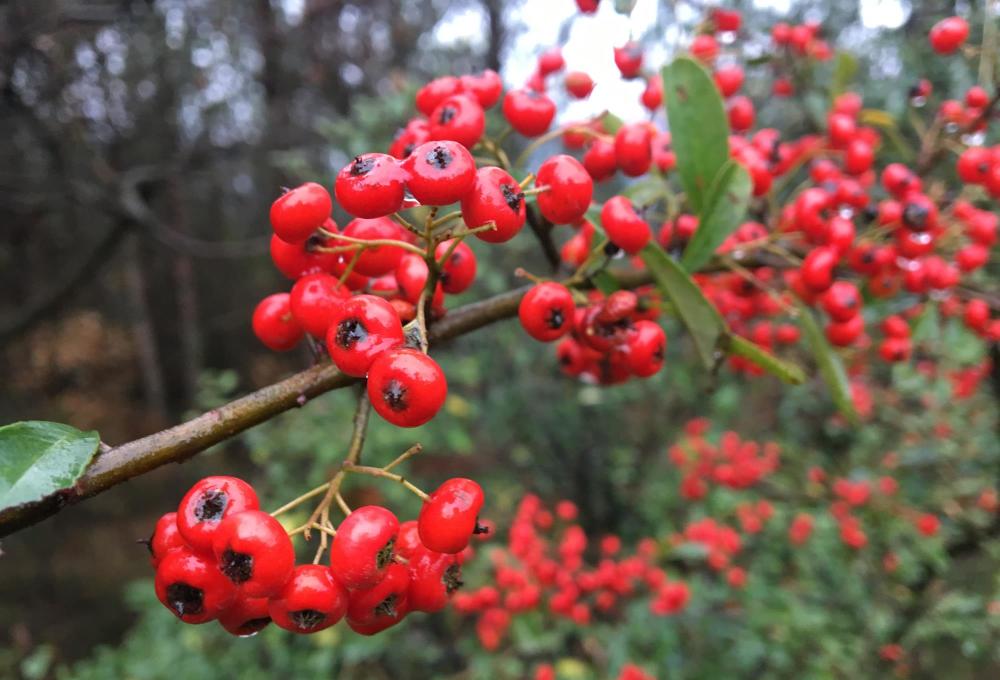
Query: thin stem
[[405, 223], [409, 453], [295, 502], [385, 474], [344, 507], [350, 267], [372, 243], [444, 219]]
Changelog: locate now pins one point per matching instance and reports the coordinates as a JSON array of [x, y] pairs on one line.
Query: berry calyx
[[312, 600], [207, 503], [362, 328], [546, 311]]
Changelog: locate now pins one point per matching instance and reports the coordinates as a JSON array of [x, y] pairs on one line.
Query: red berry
[[274, 324], [633, 148], [254, 552], [569, 191], [729, 79], [165, 538], [652, 96], [976, 97], [406, 387], [485, 87], [371, 185], [844, 333], [600, 160], [441, 172], [920, 213], [974, 165], [295, 260], [361, 329], [528, 112], [550, 61], [245, 617], [495, 197], [817, 269], [448, 518], [416, 132], [546, 311], [434, 577], [949, 34], [645, 347], [312, 600], [859, 157], [382, 605], [705, 48], [726, 20], [408, 539], [842, 301], [411, 277], [628, 59], [579, 84], [192, 587], [459, 270], [433, 93], [741, 114], [624, 226], [380, 259], [363, 549], [300, 211], [458, 118], [314, 299], [207, 503]]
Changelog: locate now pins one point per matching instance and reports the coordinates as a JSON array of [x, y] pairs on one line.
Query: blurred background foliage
[[143, 143]]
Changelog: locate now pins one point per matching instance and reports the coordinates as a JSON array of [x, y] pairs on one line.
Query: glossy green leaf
[[698, 315], [724, 209], [39, 458], [605, 282], [785, 370], [699, 128], [830, 365]]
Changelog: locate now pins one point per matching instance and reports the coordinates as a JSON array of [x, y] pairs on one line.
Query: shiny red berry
[[361, 329], [842, 301], [441, 172], [546, 311], [645, 346], [406, 387], [434, 577], [578, 84], [433, 93], [253, 550], [569, 189], [314, 299], [245, 617], [448, 517], [363, 549], [378, 260], [192, 587], [633, 149], [372, 185], [949, 34], [600, 160], [628, 59], [382, 605], [207, 503], [295, 260], [274, 324], [495, 197], [458, 118], [624, 226], [528, 112], [300, 211], [817, 269], [408, 539], [312, 600], [486, 87], [459, 270], [166, 537]]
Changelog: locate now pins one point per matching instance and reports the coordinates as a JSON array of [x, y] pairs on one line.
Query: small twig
[[409, 453]]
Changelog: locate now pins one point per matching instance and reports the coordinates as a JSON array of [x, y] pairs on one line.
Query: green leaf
[[723, 211], [698, 126], [38, 458], [844, 70], [830, 365], [611, 123], [785, 370], [605, 282], [698, 315]]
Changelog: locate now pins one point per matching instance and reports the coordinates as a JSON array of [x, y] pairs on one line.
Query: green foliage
[[830, 365], [725, 206], [699, 131], [41, 458]]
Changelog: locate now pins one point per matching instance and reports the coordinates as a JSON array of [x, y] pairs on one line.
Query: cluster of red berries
[[734, 463], [219, 557], [606, 342], [544, 568], [629, 671]]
